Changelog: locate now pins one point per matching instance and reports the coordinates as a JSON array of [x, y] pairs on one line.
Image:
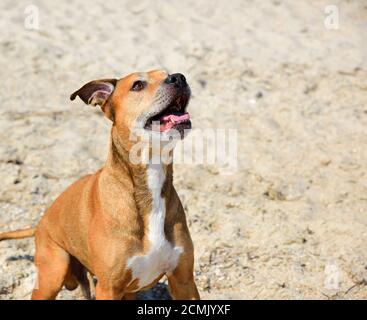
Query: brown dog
[[124, 224]]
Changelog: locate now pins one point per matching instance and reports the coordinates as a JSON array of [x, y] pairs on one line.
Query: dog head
[[153, 103]]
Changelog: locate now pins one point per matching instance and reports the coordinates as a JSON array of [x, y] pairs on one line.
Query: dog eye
[[138, 86]]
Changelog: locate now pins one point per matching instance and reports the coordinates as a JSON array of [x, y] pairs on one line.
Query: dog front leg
[[108, 292], [181, 283]]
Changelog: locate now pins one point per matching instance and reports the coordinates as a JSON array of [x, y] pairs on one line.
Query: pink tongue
[[176, 119], [167, 122]]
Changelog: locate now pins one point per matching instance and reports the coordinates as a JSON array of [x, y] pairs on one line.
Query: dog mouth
[[174, 116]]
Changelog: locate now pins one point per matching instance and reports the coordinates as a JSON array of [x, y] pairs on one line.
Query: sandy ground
[[291, 221]]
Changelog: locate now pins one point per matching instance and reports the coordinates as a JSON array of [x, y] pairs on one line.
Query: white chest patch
[[162, 257]]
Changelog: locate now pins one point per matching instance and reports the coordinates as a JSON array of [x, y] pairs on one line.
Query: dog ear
[[96, 93]]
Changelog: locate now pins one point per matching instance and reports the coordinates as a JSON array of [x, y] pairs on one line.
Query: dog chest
[[162, 257], [158, 261]]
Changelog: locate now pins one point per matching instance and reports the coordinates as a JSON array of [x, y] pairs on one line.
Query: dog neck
[[149, 180]]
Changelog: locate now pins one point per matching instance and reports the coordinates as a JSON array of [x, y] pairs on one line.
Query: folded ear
[[96, 93]]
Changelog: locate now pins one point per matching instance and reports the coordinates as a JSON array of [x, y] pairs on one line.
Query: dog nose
[[176, 79]]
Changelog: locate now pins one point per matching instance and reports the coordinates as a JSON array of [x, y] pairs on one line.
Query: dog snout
[[176, 79]]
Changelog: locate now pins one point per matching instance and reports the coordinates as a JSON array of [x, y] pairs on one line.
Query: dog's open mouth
[[174, 116]]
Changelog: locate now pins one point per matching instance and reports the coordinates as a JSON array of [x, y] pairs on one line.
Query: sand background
[[291, 222]]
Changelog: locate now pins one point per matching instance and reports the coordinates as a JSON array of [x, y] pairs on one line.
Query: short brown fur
[[101, 220]]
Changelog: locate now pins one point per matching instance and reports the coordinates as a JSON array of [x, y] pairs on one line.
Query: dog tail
[[18, 234]]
